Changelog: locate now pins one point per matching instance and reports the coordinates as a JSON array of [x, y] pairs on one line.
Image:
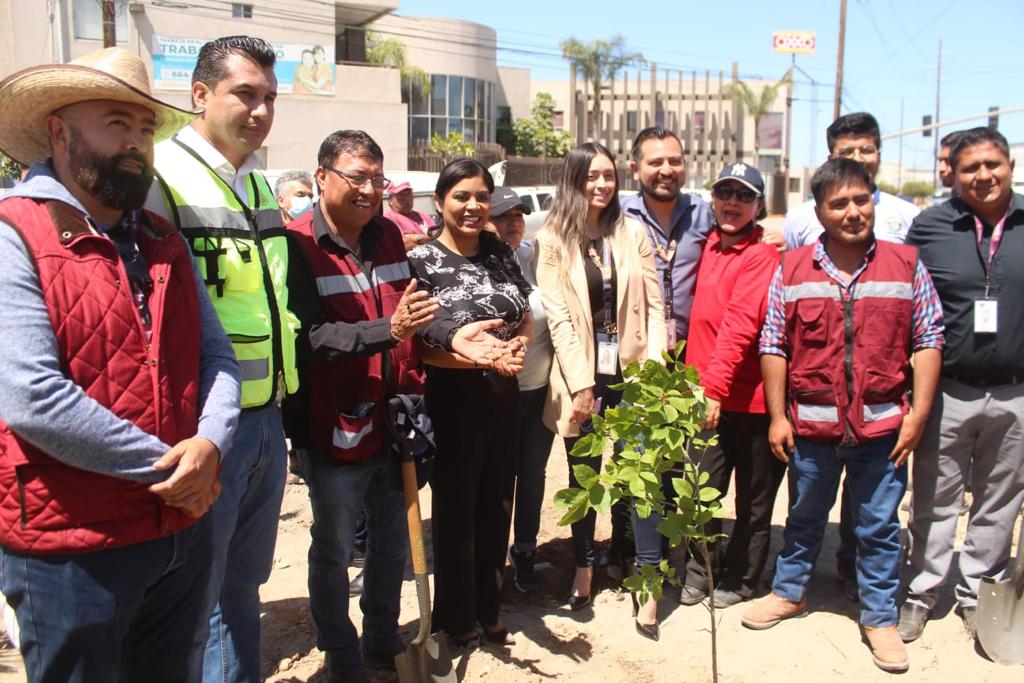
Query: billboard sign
[[300, 68], [794, 42]]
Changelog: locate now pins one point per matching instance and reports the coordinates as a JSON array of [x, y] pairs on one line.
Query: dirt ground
[[600, 644]]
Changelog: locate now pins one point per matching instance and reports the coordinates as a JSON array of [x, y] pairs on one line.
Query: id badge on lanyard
[[607, 340], [986, 310], [607, 354]]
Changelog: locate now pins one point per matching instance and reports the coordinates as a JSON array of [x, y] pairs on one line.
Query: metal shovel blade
[[426, 662], [1000, 615]]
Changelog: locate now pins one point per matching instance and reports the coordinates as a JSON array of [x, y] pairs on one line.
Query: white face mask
[[299, 206]]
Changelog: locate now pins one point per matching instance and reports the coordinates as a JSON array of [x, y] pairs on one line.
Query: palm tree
[[391, 52], [599, 61], [756, 105]]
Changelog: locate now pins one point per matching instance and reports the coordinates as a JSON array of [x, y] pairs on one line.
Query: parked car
[[538, 198]]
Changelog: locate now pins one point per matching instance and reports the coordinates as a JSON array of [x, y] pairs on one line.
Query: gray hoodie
[[53, 413]]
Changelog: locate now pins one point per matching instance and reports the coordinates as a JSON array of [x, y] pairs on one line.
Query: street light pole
[[839, 59], [935, 133]]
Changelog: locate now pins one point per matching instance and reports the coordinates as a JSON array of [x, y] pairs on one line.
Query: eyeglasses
[[743, 194], [865, 151], [358, 180]]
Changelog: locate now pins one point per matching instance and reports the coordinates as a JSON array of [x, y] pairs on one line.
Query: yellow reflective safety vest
[[242, 254]]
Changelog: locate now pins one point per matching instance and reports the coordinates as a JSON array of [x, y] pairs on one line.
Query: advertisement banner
[[794, 42], [770, 131], [301, 69]]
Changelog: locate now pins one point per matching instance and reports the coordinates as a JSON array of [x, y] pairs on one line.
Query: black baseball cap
[[743, 174], [505, 198]]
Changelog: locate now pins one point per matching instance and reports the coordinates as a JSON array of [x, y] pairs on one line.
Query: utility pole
[[109, 24], [789, 115], [899, 171], [839, 60], [935, 133]]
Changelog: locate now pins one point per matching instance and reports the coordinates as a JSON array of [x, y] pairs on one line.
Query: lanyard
[[667, 255], [604, 264], [993, 246]]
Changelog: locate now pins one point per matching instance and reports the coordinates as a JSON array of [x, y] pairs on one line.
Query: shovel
[[1000, 616], [426, 660]]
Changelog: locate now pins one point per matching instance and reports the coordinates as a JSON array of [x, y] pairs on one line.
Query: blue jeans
[[534, 447], [876, 488], [244, 527], [125, 614], [339, 493]]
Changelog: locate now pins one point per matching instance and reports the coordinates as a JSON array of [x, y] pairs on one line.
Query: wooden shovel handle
[[413, 517]]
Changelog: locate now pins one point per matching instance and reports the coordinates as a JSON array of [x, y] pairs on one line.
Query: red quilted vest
[[850, 349], [50, 507], [347, 400]]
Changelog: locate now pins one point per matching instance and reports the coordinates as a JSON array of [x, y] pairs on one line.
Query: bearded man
[[121, 390]]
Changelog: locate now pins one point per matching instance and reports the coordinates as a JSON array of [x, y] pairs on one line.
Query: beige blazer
[[640, 317]]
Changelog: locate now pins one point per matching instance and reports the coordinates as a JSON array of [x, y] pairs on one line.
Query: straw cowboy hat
[[30, 95]]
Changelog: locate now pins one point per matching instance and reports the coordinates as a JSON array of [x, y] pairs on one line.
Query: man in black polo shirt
[[973, 246]]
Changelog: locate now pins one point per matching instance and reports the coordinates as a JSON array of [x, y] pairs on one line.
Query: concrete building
[[168, 34]]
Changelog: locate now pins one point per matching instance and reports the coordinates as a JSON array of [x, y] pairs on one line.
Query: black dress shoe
[[912, 619], [691, 595], [578, 602], [727, 598], [501, 637], [355, 586]]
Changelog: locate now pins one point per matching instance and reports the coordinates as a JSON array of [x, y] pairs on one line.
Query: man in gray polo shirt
[[973, 246]]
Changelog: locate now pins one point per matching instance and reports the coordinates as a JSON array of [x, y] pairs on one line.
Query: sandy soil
[[554, 643]]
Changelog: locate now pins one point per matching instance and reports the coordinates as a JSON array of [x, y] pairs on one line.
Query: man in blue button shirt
[[677, 223], [854, 136]]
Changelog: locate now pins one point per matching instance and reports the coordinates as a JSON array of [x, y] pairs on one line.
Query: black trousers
[[743, 448], [583, 530], [476, 426]]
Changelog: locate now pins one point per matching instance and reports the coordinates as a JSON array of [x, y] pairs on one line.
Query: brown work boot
[[887, 648], [770, 610]]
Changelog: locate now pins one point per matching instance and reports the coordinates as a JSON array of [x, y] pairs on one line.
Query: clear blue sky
[[891, 52]]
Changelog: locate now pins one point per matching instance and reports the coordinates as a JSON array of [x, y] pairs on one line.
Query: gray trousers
[[973, 435]]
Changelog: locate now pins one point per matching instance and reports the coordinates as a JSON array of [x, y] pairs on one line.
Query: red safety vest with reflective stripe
[[347, 397], [47, 506], [850, 350]]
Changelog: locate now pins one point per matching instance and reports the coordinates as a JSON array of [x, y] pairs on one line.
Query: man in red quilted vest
[[120, 389], [352, 290], [845, 317]]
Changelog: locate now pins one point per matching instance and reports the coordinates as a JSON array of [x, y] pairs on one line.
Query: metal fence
[[422, 159]]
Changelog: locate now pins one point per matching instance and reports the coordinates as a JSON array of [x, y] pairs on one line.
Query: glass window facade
[[87, 16], [456, 104]]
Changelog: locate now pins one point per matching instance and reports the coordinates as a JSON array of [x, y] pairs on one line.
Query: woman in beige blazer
[[601, 294]]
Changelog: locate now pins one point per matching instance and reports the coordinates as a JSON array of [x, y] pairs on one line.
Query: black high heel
[[578, 602], [649, 631]]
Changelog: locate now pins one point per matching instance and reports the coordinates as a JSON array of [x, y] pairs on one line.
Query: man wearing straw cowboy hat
[[120, 388]]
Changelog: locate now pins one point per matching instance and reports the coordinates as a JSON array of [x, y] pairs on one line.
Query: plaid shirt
[[927, 308]]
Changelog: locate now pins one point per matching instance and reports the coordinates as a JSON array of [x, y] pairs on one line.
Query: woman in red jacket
[[725, 325]]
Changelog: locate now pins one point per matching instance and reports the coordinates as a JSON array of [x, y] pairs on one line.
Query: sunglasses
[[743, 194]]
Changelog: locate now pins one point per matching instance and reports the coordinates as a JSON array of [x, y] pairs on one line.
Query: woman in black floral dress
[[475, 276]]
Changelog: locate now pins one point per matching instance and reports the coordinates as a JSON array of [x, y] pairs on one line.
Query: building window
[[454, 96], [794, 185], [87, 16], [241, 10], [456, 104]]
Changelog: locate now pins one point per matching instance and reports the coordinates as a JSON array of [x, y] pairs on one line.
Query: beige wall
[[367, 97], [444, 46], [514, 91]]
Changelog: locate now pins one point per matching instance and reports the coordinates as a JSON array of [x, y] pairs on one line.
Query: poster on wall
[[301, 69]]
